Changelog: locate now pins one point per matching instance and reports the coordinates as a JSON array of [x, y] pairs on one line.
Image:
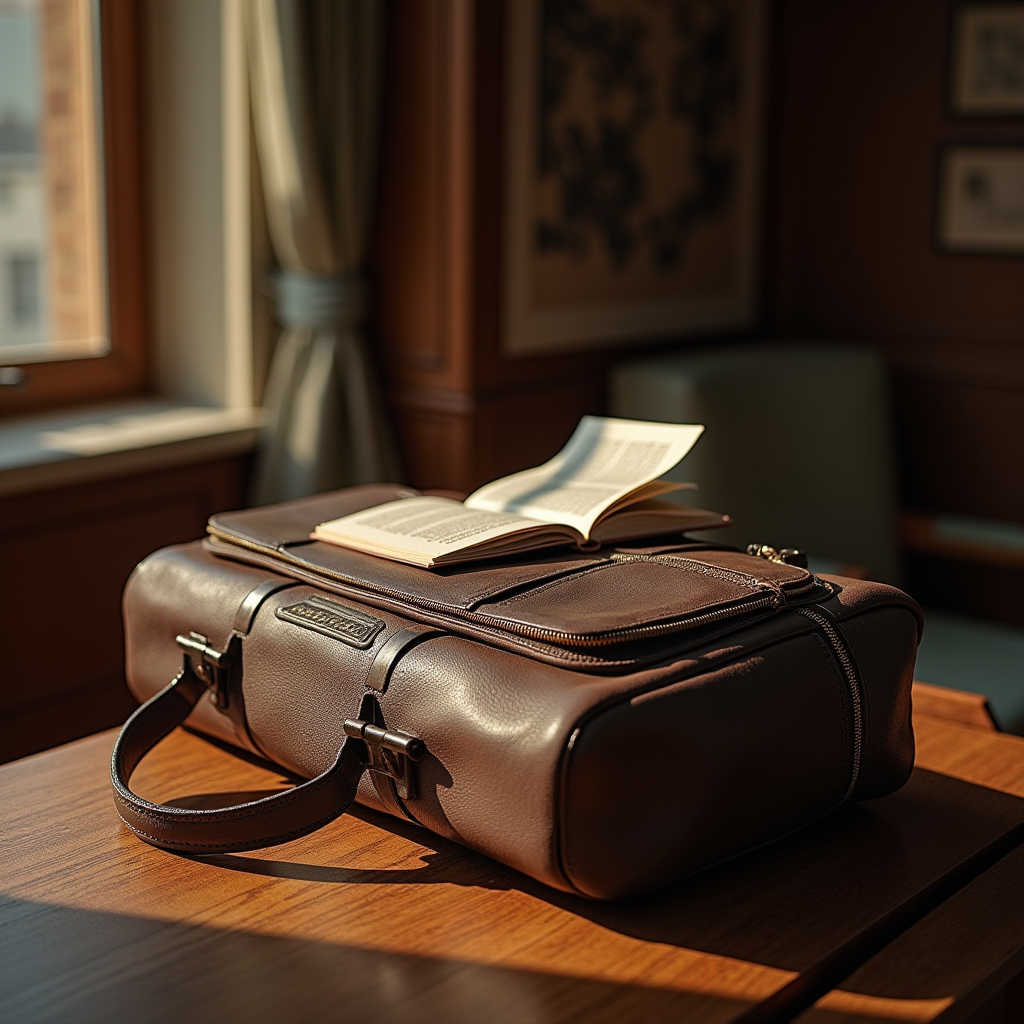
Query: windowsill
[[70, 447]]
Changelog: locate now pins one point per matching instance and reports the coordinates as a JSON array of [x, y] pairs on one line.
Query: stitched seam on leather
[[170, 817], [533, 591], [142, 807], [421, 634], [514, 643], [563, 847], [270, 841], [455, 624], [451, 621], [520, 641], [671, 561], [740, 579], [492, 591], [664, 652]]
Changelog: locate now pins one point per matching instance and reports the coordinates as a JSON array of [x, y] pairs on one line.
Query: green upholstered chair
[[799, 450], [798, 447]]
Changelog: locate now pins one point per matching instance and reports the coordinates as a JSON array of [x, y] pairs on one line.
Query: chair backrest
[[798, 447]]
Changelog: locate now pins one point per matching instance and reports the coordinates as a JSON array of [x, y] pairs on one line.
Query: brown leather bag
[[606, 722]]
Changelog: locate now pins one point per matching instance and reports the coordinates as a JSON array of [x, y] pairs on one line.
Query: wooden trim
[[89, 536], [421, 253], [918, 533], [124, 370], [953, 706], [434, 400]]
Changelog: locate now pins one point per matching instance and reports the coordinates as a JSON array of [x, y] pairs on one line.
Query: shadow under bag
[[606, 722]]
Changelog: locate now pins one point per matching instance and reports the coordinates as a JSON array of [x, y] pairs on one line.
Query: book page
[[604, 461], [422, 530]]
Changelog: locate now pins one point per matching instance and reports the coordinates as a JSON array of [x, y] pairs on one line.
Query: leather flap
[[579, 600]]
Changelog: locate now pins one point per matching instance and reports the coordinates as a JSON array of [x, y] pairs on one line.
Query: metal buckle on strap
[[391, 753], [209, 665]]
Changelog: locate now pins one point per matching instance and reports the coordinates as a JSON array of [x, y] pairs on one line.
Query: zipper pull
[[787, 556]]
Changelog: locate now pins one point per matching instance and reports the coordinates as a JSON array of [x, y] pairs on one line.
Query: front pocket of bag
[[618, 597]]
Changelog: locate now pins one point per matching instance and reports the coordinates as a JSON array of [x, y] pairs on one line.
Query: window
[[71, 301], [24, 278]]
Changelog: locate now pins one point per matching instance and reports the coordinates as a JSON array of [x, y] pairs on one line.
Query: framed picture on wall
[[631, 170], [981, 199], [987, 60]]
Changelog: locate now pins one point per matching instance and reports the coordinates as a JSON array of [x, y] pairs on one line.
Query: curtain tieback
[[318, 300]]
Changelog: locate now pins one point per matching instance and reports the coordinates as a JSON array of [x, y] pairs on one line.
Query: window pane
[[25, 290], [53, 302]]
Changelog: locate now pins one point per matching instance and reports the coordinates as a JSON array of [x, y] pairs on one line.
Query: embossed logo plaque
[[357, 629]]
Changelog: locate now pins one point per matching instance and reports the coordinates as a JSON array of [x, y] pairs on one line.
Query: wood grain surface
[[953, 705], [965, 959], [375, 919]]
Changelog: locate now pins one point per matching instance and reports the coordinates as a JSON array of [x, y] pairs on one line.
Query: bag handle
[[265, 822]]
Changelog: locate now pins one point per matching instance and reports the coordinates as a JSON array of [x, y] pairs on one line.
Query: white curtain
[[315, 85]]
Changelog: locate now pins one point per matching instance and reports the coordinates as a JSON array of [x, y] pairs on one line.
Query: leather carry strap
[[265, 822], [391, 791], [387, 657]]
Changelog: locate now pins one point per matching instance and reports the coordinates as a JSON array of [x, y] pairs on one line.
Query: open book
[[602, 487]]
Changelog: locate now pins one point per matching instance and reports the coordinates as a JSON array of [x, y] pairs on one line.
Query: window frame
[[125, 369]]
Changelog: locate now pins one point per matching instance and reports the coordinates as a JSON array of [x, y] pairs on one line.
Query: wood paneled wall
[[859, 116], [66, 555], [465, 412], [858, 120]]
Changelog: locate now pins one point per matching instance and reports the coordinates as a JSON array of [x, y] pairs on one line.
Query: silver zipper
[[853, 683], [660, 629], [740, 578], [770, 600]]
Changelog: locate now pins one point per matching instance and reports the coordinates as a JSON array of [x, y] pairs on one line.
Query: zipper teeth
[[711, 570], [839, 649], [242, 542], [659, 629], [532, 632], [737, 577]]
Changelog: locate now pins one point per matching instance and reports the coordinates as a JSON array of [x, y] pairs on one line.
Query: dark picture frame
[[985, 77], [631, 171], [980, 199]]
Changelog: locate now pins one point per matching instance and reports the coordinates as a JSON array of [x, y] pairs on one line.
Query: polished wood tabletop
[[909, 908]]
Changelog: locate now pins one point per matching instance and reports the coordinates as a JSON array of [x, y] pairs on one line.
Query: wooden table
[[903, 909]]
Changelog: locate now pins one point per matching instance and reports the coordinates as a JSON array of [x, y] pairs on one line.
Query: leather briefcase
[[605, 721]]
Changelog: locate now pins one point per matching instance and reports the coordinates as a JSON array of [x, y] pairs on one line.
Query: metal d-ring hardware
[[209, 665], [787, 556], [391, 753]]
